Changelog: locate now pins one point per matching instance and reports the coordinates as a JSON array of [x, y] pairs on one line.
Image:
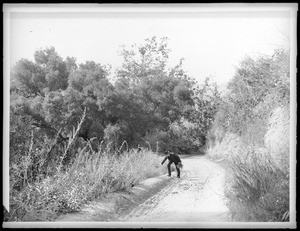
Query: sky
[[212, 42]]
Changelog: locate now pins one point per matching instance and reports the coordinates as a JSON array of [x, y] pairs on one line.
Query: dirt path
[[197, 197]]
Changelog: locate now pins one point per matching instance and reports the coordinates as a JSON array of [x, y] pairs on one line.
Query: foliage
[[258, 189], [148, 105], [257, 87], [145, 98], [91, 175], [164, 96], [241, 134]]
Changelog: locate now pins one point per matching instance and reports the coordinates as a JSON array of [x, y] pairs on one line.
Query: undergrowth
[[257, 190], [91, 175]]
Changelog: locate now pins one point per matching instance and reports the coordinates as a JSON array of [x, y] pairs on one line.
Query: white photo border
[[151, 8]]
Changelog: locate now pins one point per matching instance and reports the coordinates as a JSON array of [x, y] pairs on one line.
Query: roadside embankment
[[114, 204]]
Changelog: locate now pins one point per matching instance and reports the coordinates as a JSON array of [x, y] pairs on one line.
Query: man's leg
[[169, 168], [178, 171]]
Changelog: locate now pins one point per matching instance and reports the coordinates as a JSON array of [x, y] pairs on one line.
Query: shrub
[[257, 190], [179, 139]]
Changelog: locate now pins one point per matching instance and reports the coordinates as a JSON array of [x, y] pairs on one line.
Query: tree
[[55, 69], [88, 88], [51, 94], [162, 96], [144, 61], [256, 88], [28, 79]]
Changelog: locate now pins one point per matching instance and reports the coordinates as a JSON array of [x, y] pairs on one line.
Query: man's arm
[[164, 160]]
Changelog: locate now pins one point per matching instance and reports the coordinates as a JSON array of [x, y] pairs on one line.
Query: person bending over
[[173, 158]]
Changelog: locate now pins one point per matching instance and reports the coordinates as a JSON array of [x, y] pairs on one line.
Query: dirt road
[[198, 196]]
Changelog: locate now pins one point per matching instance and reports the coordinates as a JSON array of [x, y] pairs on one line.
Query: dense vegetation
[[75, 129], [61, 110], [251, 133]]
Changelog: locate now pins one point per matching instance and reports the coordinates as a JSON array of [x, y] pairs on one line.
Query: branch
[[73, 138]]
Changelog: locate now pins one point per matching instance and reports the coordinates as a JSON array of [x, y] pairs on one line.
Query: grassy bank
[[256, 187], [257, 190], [90, 176]]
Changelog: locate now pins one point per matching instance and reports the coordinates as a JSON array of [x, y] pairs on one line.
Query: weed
[[90, 176], [257, 190]]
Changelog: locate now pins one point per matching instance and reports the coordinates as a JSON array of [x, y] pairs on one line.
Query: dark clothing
[[173, 158]]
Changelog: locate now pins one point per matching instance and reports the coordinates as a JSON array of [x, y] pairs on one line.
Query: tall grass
[[91, 175], [257, 189]]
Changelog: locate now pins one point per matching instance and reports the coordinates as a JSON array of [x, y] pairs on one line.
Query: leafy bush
[[181, 138]]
